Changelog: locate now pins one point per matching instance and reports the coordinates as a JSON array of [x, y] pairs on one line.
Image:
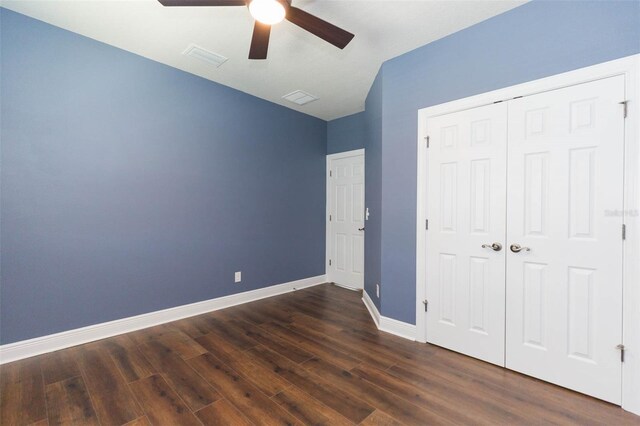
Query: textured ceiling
[[297, 59]]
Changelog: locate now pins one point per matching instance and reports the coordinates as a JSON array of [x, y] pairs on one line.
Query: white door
[[466, 211], [346, 219], [564, 288]]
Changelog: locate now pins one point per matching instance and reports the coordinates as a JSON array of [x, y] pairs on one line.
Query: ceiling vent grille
[[204, 55], [299, 97]]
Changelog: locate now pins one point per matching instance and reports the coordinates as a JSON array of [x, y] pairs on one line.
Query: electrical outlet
[[238, 276], [378, 291]]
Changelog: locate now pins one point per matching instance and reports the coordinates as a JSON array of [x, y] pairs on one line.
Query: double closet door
[[524, 247]]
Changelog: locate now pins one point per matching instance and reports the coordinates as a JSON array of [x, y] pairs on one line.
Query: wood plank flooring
[[309, 357]]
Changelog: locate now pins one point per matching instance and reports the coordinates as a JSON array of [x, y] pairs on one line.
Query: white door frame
[[630, 68], [330, 157]]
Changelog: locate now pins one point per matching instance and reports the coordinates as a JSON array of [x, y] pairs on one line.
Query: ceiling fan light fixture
[[268, 12]]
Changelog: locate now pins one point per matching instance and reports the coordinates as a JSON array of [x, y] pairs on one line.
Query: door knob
[[517, 249], [361, 229], [494, 246]]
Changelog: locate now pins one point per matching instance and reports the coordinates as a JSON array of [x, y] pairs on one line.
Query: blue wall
[[373, 189], [535, 40], [129, 186], [346, 133]]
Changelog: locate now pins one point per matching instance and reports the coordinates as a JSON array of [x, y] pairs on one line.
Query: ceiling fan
[[270, 12]]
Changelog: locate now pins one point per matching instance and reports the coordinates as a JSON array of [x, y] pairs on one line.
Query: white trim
[[54, 342], [371, 307], [421, 237], [330, 157], [631, 272], [345, 154], [630, 68], [399, 328], [346, 287], [386, 324]]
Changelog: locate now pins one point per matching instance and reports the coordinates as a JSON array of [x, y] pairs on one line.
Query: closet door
[[564, 237], [466, 236]]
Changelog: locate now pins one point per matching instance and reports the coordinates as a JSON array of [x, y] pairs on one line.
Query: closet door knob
[[517, 249], [494, 246]]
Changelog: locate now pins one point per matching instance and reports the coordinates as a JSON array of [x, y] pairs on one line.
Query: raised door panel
[[534, 303], [581, 313], [448, 197], [447, 289], [479, 293]]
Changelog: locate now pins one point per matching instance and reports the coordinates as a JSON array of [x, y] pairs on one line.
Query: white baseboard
[[78, 336], [373, 310], [399, 328], [346, 287], [389, 325]]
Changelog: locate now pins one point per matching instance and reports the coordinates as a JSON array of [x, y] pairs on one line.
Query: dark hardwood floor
[[309, 357]]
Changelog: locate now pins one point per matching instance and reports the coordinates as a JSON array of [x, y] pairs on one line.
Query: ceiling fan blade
[[260, 41], [203, 2], [326, 31]]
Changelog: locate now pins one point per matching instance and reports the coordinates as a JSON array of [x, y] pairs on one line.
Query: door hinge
[[329, 262], [426, 224], [428, 141], [621, 348], [426, 305], [624, 231], [329, 218], [330, 173], [624, 108]]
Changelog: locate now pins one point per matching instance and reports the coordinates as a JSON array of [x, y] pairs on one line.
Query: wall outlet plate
[[238, 276]]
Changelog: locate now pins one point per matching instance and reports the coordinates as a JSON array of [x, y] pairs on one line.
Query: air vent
[[299, 97], [204, 55]]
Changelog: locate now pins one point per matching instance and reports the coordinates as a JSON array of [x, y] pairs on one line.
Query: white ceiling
[[297, 59]]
